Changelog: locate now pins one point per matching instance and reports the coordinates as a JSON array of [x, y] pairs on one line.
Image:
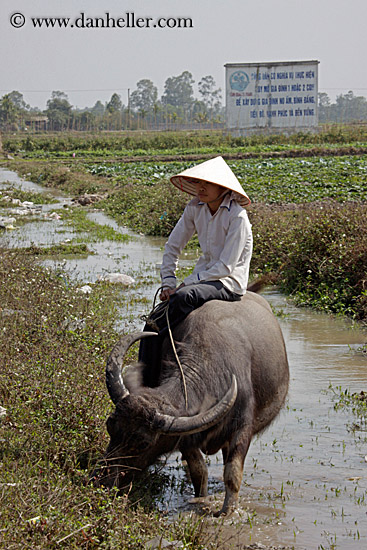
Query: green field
[[271, 181], [109, 145]]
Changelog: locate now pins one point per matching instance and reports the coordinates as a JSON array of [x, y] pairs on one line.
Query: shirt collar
[[227, 202]]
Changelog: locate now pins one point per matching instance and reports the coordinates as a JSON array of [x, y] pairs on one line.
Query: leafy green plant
[[319, 255], [177, 143], [355, 402]]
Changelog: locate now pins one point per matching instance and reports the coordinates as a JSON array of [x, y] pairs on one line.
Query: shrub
[[319, 254]]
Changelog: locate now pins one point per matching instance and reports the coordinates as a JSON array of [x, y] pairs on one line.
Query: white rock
[[117, 278], [55, 216], [7, 221], [19, 211], [86, 289]]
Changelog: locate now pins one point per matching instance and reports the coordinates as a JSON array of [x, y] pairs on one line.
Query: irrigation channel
[[305, 480]]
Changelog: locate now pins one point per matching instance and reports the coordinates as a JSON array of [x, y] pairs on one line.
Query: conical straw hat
[[214, 171]]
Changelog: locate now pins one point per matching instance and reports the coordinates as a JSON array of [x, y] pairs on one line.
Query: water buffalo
[[236, 372]]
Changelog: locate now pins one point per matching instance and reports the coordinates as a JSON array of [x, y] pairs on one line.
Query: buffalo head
[[146, 422]]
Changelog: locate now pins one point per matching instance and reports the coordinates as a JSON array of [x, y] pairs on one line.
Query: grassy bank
[[54, 343]]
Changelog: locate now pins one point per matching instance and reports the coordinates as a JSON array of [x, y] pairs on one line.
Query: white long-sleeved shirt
[[225, 239]]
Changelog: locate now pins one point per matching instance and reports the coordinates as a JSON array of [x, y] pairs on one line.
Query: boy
[[218, 217]]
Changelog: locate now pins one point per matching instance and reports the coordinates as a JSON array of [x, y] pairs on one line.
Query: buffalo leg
[[198, 471], [233, 472], [225, 453]]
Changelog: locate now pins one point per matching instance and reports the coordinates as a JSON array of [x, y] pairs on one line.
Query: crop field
[[278, 181], [332, 139]]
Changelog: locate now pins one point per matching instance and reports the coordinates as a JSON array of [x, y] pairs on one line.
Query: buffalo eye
[[139, 441]]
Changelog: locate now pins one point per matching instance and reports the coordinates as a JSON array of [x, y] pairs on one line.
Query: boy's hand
[[166, 292]]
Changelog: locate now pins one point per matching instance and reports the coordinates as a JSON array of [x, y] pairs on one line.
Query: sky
[[90, 63]]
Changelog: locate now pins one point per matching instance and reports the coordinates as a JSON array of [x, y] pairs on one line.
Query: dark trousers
[[180, 304]]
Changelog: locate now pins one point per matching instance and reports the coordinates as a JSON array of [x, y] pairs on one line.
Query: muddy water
[[305, 480], [139, 257]]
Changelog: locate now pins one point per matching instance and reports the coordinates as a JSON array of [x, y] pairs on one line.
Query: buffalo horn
[[114, 381], [185, 425]]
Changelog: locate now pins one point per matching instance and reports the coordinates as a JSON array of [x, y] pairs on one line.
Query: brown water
[[305, 481]]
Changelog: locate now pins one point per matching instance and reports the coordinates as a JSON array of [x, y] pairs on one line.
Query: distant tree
[[144, 98], [115, 104], [58, 111], [324, 100], [98, 108], [200, 112], [58, 95], [324, 107], [8, 112], [84, 120], [348, 108], [210, 95], [18, 100], [178, 91], [35, 110]]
